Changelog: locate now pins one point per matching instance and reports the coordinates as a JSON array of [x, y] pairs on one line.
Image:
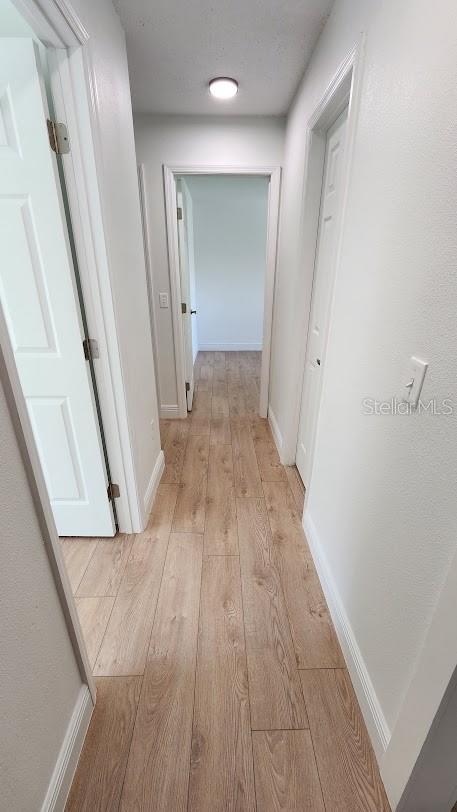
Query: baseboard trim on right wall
[[375, 720]]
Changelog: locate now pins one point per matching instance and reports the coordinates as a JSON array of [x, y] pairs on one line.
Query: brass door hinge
[[183, 307], [187, 386], [113, 491], [179, 212], [58, 137], [90, 347]]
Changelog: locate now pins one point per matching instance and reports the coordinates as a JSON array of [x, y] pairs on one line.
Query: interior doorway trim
[[142, 185], [343, 90], [170, 176], [57, 25]]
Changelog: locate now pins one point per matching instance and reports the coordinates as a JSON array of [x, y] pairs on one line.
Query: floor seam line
[[130, 742], [75, 595], [195, 681], [247, 670]]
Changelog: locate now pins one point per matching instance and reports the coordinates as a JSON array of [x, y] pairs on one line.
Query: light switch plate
[[413, 386], [163, 300]]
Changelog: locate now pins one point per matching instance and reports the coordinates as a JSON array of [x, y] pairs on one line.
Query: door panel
[[24, 294], [38, 298], [321, 296], [53, 428]]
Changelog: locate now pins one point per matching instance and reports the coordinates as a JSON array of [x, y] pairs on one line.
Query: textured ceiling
[[175, 46]]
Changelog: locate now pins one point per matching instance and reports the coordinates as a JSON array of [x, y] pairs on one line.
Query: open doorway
[[222, 230], [41, 298], [58, 363]]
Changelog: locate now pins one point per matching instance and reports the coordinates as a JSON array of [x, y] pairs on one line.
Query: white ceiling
[[176, 46]]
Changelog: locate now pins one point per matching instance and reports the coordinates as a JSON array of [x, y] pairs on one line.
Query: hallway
[[221, 685]]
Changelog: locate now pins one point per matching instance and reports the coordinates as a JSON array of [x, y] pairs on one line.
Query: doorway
[[340, 99], [324, 268], [210, 270], [222, 225], [45, 68], [41, 298]]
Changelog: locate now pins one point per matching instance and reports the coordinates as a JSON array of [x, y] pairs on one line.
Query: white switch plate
[[415, 379], [163, 299]]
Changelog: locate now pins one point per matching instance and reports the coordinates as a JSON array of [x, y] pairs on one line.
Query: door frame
[[27, 446], [171, 174], [75, 101], [344, 89], [321, 278], [58, 27], [142, 185], [185, 228]]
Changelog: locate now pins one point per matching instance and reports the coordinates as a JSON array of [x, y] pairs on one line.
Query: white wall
[[118, 181], [230, 231], [202, 141], [12, 24], [39, 677], [381, 508]]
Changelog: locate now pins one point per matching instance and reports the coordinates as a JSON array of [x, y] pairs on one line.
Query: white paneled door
[[187, 312], [38, 298], [324, 268]]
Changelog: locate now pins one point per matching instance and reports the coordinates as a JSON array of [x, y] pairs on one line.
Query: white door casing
[[185, 297], [171, 174], [331, 199], [39, 301]]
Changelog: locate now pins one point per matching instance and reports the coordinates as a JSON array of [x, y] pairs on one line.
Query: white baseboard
[[168, 411], [277, 436], [67, 761], [153, 484], [231, 347], [375, 720]]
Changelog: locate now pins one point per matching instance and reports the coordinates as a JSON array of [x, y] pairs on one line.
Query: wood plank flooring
[[100, 775], [221, 683], [158, 768], [222, 774]]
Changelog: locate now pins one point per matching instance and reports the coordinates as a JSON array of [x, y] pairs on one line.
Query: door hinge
[[113, 491], [90, 347], [179, 212], [183, 307], [58, 137], [187, 386]]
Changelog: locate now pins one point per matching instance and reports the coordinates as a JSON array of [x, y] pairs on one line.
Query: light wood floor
[[221, 685]]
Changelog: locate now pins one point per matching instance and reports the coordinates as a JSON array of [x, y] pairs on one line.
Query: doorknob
[[192, 312], [318, 362]]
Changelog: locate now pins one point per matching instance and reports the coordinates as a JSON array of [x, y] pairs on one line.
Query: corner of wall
[[153, 484], [67, 761], [277, 436]]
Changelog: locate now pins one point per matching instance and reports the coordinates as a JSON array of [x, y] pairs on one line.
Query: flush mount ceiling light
[[223, 87]]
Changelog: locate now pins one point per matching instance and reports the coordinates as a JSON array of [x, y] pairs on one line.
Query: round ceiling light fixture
[[223, 87]]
